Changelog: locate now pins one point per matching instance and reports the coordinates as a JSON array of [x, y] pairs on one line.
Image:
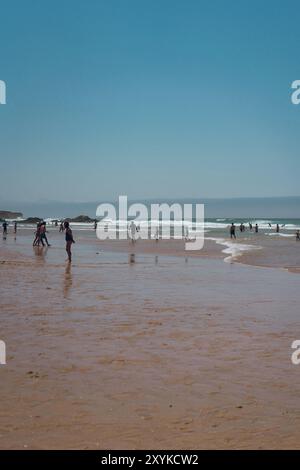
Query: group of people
[[243, 229], [5, 226], [40, 236]]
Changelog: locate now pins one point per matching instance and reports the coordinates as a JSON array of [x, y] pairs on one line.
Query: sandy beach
[[128, 130], [139, 347]]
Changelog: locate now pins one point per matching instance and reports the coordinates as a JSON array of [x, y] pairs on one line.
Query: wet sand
[[275, 252], [134, 347]]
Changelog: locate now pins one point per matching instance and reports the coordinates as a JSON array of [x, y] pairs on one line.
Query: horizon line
[[51, 201]]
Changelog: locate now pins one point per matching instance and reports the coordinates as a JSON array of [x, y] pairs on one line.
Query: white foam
[[286, 235], [234, 249]]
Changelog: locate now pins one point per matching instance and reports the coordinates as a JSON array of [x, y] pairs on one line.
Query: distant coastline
[[258, 207]]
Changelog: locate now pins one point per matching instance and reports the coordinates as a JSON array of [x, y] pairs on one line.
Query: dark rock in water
[[82, 219], [10, 215], [32, 220]]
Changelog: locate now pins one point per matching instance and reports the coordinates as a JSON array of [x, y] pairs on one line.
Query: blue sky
[[152, 98]]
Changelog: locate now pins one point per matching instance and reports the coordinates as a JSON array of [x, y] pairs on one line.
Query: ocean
[[281, 209]]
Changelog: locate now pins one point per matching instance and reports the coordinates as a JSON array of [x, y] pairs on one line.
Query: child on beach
[[69, 240]]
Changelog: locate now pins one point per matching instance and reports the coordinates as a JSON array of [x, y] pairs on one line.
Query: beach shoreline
[[259, 250]]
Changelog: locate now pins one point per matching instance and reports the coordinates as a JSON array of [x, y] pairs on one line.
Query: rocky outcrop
[[82, 219], [10, 215], [32, 220]]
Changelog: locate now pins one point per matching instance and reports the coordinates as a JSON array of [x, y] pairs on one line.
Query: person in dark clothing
[[43, 234], [69, 240], [232, 231], [4, 226]]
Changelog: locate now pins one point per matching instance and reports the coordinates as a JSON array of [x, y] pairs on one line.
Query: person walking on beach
[[4, 226], [43, 234], [250, 226], [37, 239], [132, 231], [298, 235], [232, 231], [256, 228], [69, 240], [61, 227], [15, 227], [277, 228], [187, 235]]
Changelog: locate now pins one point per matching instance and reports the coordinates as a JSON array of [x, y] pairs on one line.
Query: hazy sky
[[149, 98]]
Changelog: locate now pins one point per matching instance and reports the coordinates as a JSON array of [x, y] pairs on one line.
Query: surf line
[[233, 249]]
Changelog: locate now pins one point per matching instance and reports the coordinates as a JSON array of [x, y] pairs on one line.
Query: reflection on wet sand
[[131, 258], [68, 281], [40, 252]]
